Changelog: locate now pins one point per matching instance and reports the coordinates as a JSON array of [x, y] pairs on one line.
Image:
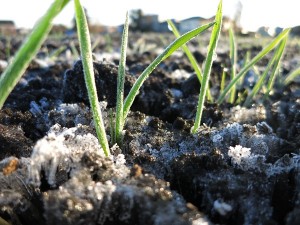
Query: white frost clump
[[284, 164], [60, 148], [243, 115], [70, 112], [120, 160], [176, 93], [222, 207], [217, 138], [230, 132], [245, 160], [180, 74], [238, 153], [3, 64]]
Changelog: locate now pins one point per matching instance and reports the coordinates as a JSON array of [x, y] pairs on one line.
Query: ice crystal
[[238, 153], [60, 148], [222, 207], [232, 132]]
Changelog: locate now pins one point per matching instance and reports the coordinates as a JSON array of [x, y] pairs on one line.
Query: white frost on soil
[[231, 132], [73, 110], [222, 207], [3, 64], [176, 93], [60, 149], [238, 153], [245, 160], [180, 74], [243, 115], [284, 164]]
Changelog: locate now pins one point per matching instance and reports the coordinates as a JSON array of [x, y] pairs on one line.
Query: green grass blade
[[273, 63], [278, 56], [208, 64], [96, 43], [87, 62], [165, 54], [259, 83], [246, 59], [223, 79], [291, 76], [241, 97], [57, 52], [258, 57], [75, 53], [233, 59], [28, 50], [120, 85], [191, 58], [112, 127]]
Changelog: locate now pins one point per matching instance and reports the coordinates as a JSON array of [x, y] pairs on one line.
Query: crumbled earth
[[242, 167]]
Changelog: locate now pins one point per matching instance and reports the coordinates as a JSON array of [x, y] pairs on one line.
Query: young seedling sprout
[[28, 50], [207, 66], [274, 64], [123, 108], [233, 60], [252, 62], [89, 77], [117, 134], [291, 76], [191, 58]]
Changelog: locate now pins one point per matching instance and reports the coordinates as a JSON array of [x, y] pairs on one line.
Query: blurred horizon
[[251, 14]]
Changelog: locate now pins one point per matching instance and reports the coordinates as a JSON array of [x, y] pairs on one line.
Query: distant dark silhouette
[[135, 19]]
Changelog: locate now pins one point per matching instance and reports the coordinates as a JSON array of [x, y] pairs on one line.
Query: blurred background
[[268, 16]]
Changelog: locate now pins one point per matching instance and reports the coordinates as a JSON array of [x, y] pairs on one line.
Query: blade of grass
[[120, 85], [28, 50], [208, 64], [291, 76], [245, 62], [191, 58], [87, 62], [241, 97], [57, 52], [112, 127], [96, 43], [233, 59], [165, 54], [273, 63], [76, 54], [258, 57], [278, 57], [259, 83], [223, 79]]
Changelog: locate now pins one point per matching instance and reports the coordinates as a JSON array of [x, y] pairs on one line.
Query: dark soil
[[242, 167]]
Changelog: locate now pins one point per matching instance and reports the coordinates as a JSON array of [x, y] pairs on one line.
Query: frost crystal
[[217, 138], [222, 207], [59, 150], [232, 132], [180, 74], [120, 160], [237, 153]]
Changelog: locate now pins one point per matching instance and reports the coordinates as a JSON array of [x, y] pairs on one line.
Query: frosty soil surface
[[243, 167]]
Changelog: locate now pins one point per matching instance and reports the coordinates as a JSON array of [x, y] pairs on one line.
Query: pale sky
[[255, 13]]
